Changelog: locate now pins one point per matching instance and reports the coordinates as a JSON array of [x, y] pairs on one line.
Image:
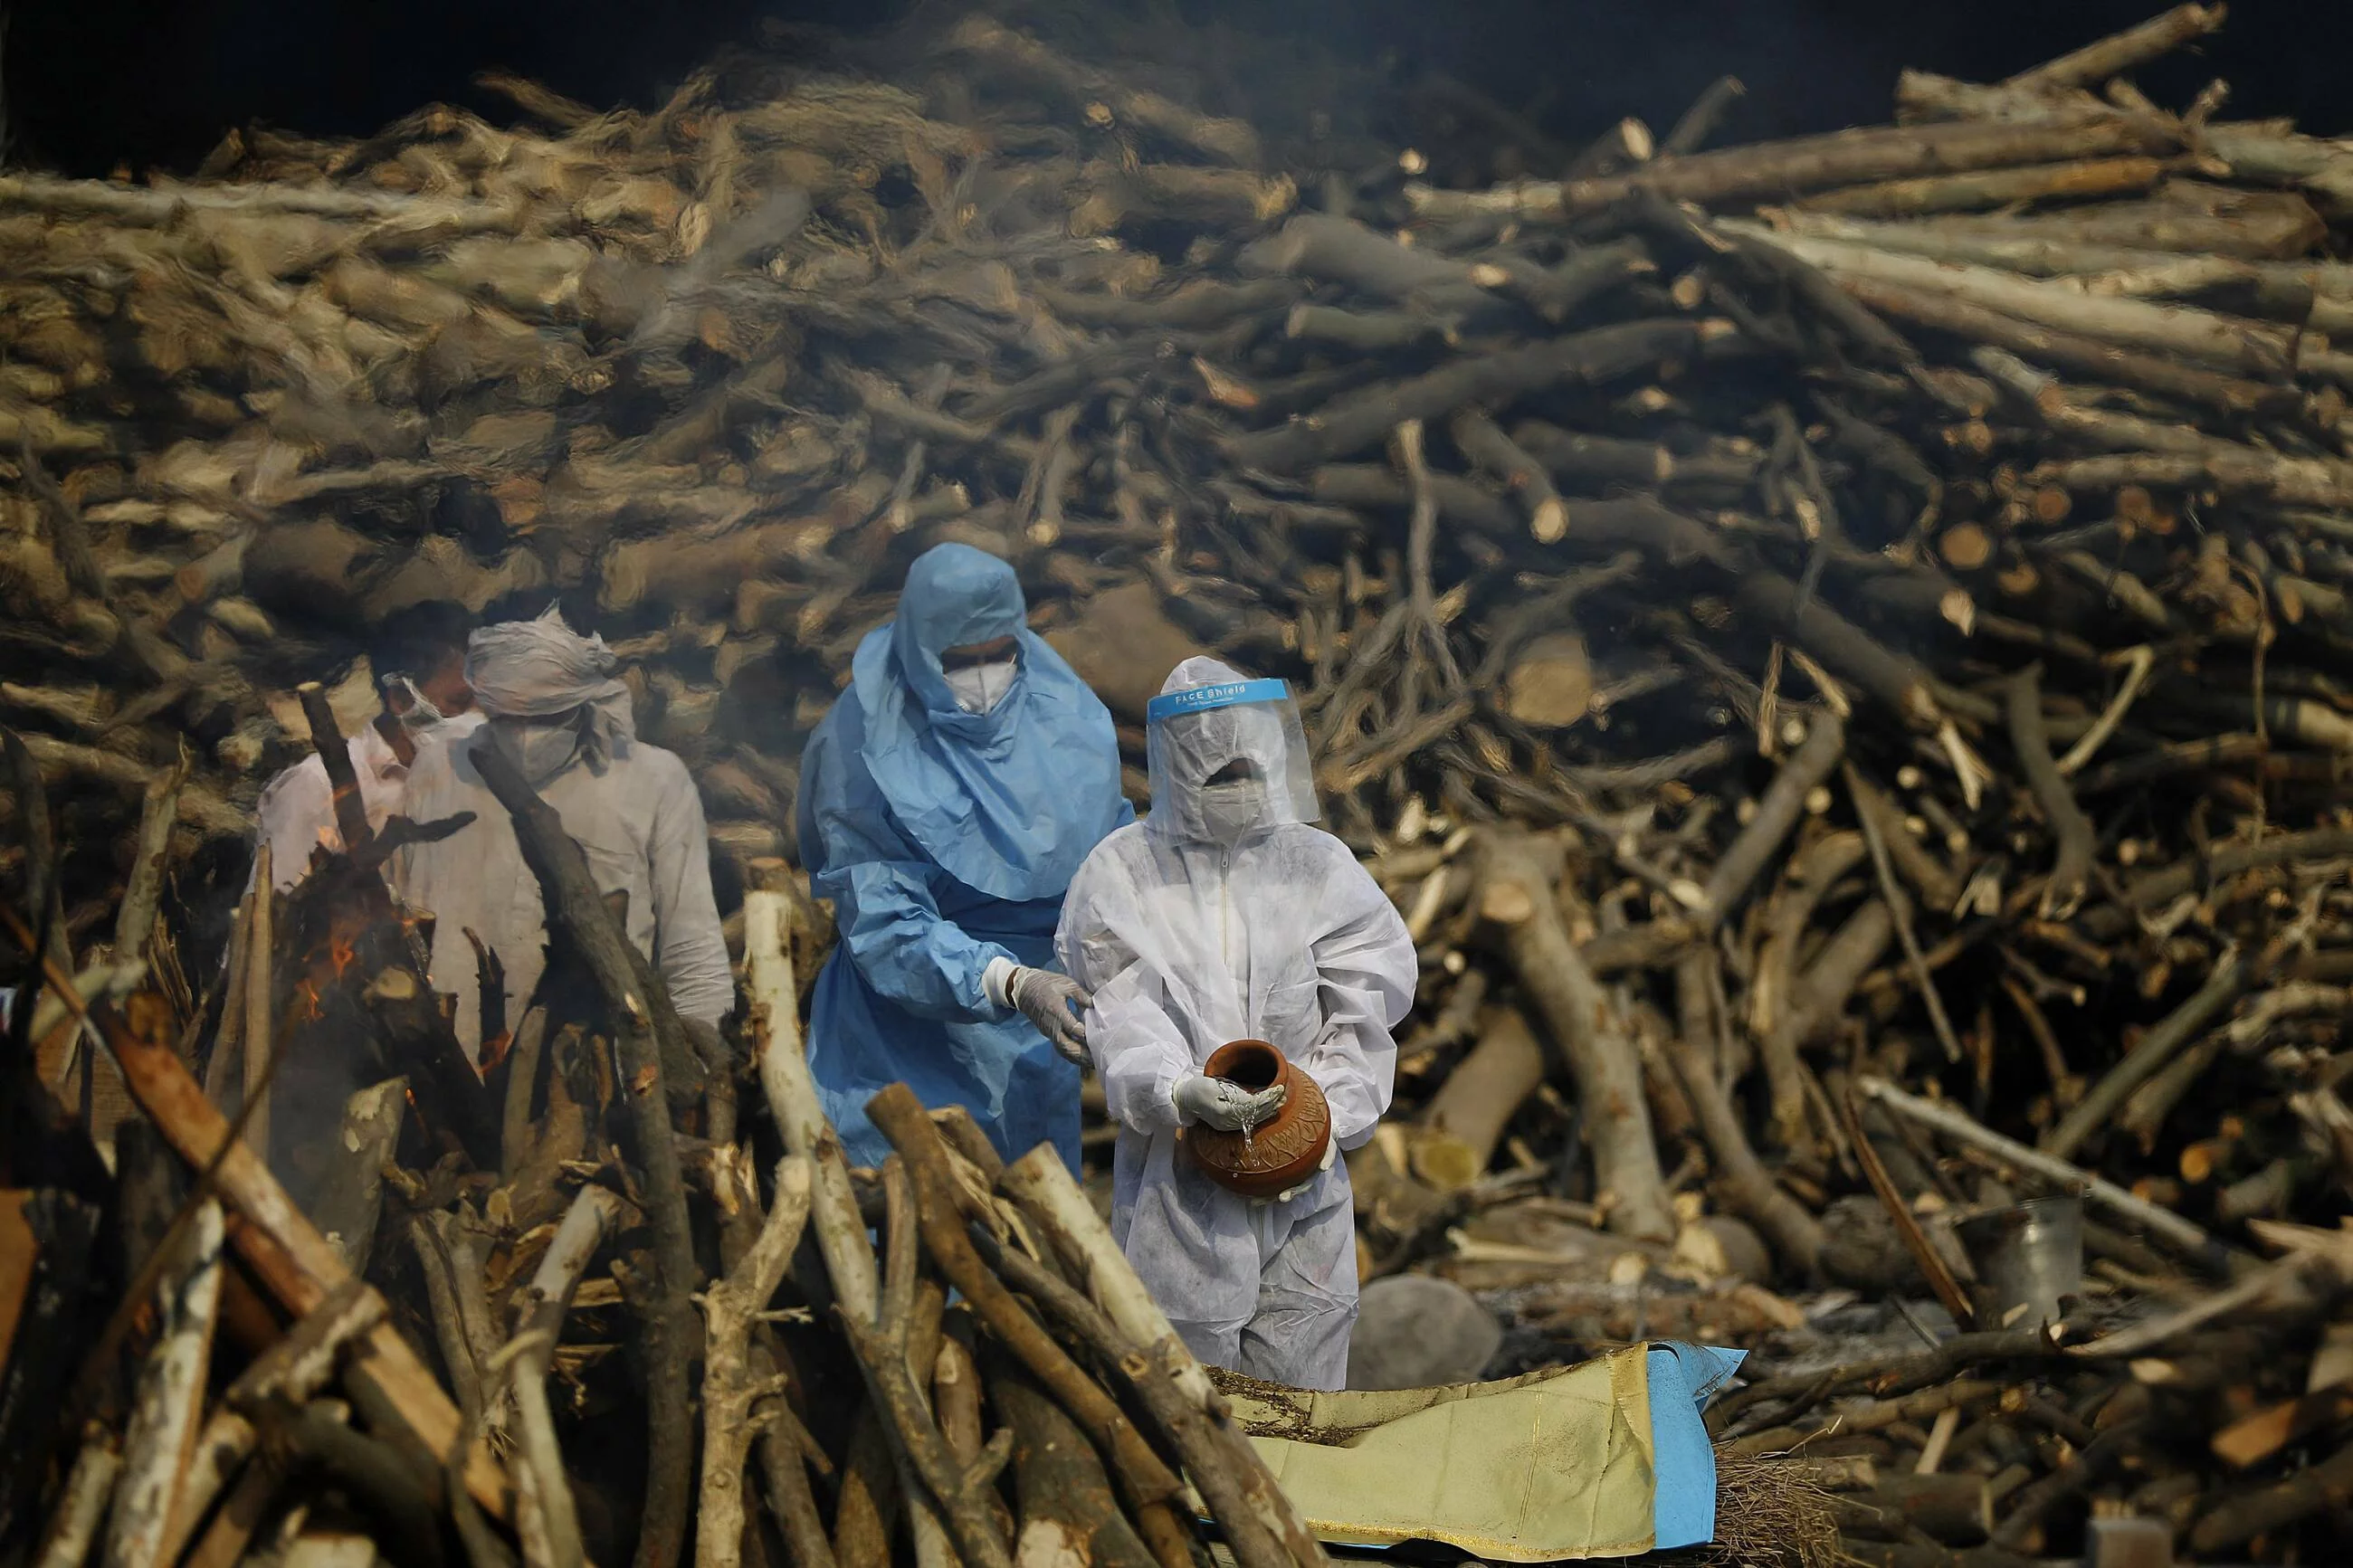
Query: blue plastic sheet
[[1682, 1379]]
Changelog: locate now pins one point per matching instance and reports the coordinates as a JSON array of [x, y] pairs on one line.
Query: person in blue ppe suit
[[945, 802]]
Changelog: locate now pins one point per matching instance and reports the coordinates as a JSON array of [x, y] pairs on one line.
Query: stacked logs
[[1831, 645], [418, 1357]]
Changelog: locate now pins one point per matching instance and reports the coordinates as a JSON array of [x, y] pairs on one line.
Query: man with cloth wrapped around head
[[553, 706], [1228, 915], [945, 801]]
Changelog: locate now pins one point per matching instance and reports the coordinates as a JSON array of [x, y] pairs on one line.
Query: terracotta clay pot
[[1277, 1157]]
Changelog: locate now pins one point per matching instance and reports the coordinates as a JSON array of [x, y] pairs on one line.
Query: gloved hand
[[1057, 1005], [1227, 1107], [1330, 1152]]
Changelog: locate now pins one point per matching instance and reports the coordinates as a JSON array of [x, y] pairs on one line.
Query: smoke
[[108, 82]]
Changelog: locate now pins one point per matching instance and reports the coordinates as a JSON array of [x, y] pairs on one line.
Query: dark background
[[93, 84]]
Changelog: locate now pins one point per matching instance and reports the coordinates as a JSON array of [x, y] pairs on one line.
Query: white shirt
[[641, 823], [298, 807]]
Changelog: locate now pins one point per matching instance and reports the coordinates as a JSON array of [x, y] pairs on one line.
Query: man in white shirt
[[418, 658], [555, 708]]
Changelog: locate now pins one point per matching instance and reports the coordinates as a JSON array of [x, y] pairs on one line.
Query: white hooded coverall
[[1200, 926]]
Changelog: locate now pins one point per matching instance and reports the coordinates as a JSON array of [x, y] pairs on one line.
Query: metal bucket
[[2029, 1256]]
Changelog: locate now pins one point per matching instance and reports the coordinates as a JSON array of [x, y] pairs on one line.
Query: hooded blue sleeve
[[881, 888]]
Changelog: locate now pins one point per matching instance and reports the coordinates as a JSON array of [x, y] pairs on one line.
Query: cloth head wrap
[[544, 670]]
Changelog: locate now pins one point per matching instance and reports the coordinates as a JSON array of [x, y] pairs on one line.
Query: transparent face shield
[[1228, 759]]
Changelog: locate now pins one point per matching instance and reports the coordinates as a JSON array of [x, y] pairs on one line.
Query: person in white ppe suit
[[418, 658], [1227, 915], [553, 705]]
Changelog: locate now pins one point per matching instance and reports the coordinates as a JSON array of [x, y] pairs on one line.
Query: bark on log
[[2323, 169], [1772, 169], [1597, 461], [2235, 1520], [792, 1093], [327, 743], [2094, 357], [1367, 332], [1232, 140], [1362, 419], [1053, 1202], [1067, 1511], [2315, 294], [1807, 879], [1895, 678], [288, 1254], [134, 923], [161, 1435], [200, 808], [2242, 348], [546, 1508], [2160, 1220], [1779, 813], [1744, 1184], [901, 1118], [1488, 448], [1463, 1122], [81, 1504], [2245, 473], [521, 1064], [2078, 840], [2254, 226], [2179, 1030], [1516, 882], [867, 1512], [887, 1357], [351, 1199], [291, 1370], [257, 1029], [1188, 1430], [1341, 249], [2082, 179], [2121, 52], [783, 1474], [731, 1308]]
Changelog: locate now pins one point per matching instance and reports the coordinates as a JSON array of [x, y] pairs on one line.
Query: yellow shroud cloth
[[1557, 1464]]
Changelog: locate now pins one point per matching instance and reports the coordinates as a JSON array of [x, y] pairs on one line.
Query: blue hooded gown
[[947, 839]]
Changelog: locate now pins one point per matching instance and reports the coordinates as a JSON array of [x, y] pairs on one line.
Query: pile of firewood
[[1832, 644], [463, 1214]]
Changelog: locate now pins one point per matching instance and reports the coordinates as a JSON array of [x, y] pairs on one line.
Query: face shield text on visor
[[1227, 758]]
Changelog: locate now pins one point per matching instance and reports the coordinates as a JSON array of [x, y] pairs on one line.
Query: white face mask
[[539, 748], [1231, 811], [979, 688], [421, 715]]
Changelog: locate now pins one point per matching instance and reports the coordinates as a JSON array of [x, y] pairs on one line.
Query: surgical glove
[[1330, 1152], [1057, 1005], [1227, 1107]]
